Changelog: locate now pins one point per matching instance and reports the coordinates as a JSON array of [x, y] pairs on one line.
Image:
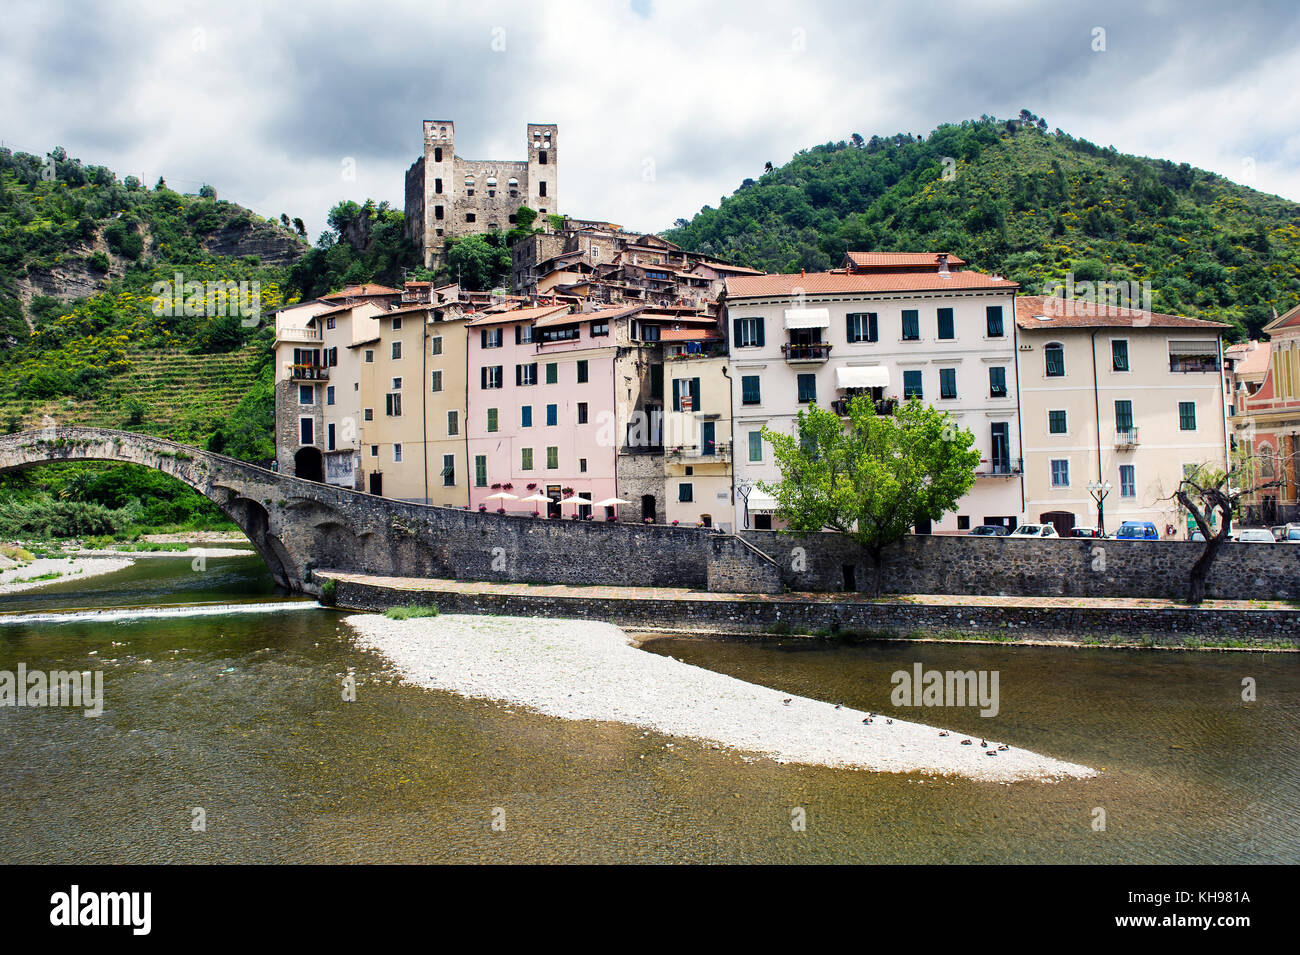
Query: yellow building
[[412, 386], [697, 437], [1119, 404]]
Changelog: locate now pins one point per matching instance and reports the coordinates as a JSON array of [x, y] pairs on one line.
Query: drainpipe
[[1096, 409], [424, 399], [1227, 458], [1015, 366], [731, 412]]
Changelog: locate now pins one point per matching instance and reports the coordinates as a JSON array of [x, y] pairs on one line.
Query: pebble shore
[[584, 670]]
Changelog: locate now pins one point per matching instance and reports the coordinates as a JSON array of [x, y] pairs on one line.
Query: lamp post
[[1099, 490]]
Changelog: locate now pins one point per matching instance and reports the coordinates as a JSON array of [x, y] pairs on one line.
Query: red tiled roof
[[920, 260], [841, 283], [1249, 361], [1073, 314], [359, 291], [518, 315], [687, 334], [1289, 319], [724, 267]]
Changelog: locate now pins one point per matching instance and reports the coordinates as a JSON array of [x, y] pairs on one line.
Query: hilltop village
[[624, 378]]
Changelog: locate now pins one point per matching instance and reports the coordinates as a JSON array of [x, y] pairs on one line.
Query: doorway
[[1063, 521], [553, 507], [377, 484], [850, 578], [309, 464], [648, 508]]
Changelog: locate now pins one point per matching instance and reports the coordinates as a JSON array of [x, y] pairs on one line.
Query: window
[[583, 373], [541, 160], [480, 470], [552, 458], [541, 187], [756, 446], [397, 453], [1124, 415], [393, 404], [491, 337], [1194, 355], [526, 374], [993, 319], [306, 394], [807, 388], [369, 414], [329, 323], [397, 350], [1060, 472], [523, 334], [582, 467], [747, 333], [1054, 360], [685, 493], [963, 522], [912, 385], [582, 412], [997, 382], [862, 327], [750, 392], [329, 394], [490, 376], [911, 325], [1056, 422], [329, 437], [374, 450], [946, 329], [1119, 355], [649, 333], [435, 381], [1127, 481], [552, 373], [453, 423], [469, 216], [1000, 435], [306, 431], [552, 415], [526, 416], [370, 355], [397, 324], [600, 329], [947, 382], [525, 459], [683, 387], [397, 384], [437, 187], [437, 212], [1187, 416], [435, 345], [492, 419], [437, 154]]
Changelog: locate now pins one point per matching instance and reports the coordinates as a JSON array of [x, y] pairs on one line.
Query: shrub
[[410, 611]]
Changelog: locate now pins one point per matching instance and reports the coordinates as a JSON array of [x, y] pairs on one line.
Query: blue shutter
[[759, 322]]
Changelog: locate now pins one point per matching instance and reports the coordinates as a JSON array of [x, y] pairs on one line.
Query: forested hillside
[[1034, 205]]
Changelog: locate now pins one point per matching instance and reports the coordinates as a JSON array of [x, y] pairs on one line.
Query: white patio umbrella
[[611, 502], [576, 499], [503, 496], [535, 498]]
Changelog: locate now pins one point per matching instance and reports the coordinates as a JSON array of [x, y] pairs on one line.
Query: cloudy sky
[[663, 105]]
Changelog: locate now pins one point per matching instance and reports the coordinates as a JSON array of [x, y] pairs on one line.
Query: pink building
[[541, 409]]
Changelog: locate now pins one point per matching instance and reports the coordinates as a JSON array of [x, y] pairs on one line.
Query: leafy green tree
[[874, 479], [478, 261]]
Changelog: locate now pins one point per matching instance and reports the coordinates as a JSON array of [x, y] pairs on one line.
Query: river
[[241, 715]]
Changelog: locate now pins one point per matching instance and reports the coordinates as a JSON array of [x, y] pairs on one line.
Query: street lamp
[[1099, 490]]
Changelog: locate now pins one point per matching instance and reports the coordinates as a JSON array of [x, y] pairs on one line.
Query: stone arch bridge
[[298, 526]]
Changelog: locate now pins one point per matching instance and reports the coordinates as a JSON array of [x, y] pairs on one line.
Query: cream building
[[412, 386], [888, 326], [1118, 397], [697, 428]]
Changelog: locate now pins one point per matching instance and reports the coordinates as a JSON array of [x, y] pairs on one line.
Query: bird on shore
[[984, 744], [1003, 748], [943, 732], [966, 742], [867, 720], [889, 722], [839, 706], [992, 752], [786, 701]]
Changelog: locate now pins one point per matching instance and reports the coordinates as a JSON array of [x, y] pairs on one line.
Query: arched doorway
[[309, 464], [648, 507], [1063, 521]]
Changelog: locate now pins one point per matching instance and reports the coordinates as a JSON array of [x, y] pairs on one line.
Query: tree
[[300, 227], [207, 192], [873, 480], [478, 261]]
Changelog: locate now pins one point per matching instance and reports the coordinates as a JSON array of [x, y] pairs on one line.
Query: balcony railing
[[1189, 363], [806, 351], [1126, 438], [884, 406], [1001, 467], [308, 373], [292, 334], [721, 451]]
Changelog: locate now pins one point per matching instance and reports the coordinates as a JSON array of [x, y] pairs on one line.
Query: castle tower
[[439, 191], [543, 168]]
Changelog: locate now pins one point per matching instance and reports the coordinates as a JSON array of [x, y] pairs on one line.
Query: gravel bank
[[581, 670], [20, 578]]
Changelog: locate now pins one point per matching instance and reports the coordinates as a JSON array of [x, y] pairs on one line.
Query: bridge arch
[[243, 492]]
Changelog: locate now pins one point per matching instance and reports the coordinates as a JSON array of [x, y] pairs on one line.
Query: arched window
[[1266, 469], [1054, 360], [492, 181]]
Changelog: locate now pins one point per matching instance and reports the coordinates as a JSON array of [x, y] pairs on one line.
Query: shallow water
[[242, 715]]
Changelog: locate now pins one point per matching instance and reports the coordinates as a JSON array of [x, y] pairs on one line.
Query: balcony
[[308, 373], [1126, 438], [1000, 468], [721, 451], [295, 334], [1193, 363], [806, 353], [884, 406]]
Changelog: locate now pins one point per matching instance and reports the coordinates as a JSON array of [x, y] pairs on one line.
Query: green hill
[[1012, 198]]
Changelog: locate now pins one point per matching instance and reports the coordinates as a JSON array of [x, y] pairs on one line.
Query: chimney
[[943, 262], [801, 273]]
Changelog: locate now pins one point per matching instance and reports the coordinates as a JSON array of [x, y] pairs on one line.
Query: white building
[[891, 325]]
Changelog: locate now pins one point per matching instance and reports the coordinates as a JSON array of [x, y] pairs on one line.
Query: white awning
[[759, 502], [1208, 347], [807, 318], [862, 376]]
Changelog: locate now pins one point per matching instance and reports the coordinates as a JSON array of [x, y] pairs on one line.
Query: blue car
[[1137, 531]]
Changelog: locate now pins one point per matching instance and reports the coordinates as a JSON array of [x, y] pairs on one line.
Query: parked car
[[1292, 534], [1084, 532], [1279, 532], [1137, 531], [1196, 535], [990, 530], [1256, 535], [1034, 530]]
